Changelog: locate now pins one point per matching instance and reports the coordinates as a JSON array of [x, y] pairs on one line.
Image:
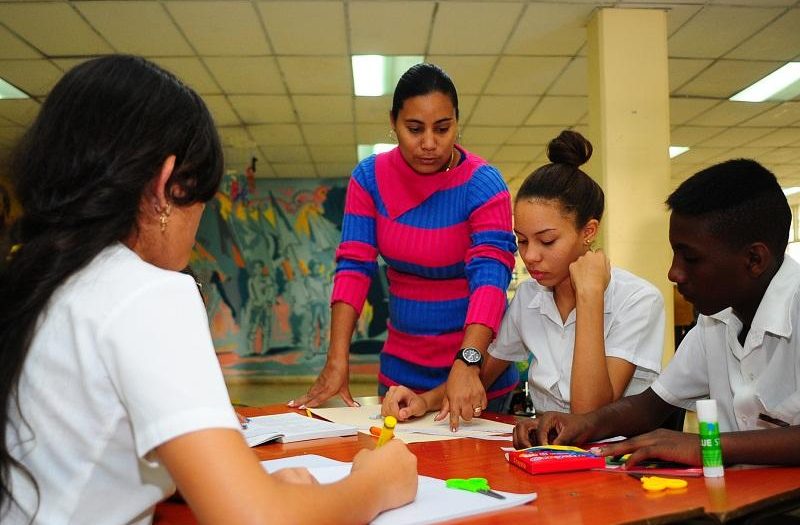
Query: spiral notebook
[[288, 428]]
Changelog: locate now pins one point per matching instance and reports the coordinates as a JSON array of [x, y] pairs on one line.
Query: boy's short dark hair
[[740, 201]]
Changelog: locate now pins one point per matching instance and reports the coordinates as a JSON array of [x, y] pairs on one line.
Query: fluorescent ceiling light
[[781, 84], [8, 91], [791, 191], [376, 75], [674, 151], [365, 150]]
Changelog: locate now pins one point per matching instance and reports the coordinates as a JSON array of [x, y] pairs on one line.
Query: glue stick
[[710, 446]]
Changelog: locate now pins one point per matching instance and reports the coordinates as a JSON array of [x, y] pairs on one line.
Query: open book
[[288, 428]]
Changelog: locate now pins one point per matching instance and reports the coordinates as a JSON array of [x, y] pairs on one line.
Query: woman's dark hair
[[562, 179], [80, 171], [422, 79]]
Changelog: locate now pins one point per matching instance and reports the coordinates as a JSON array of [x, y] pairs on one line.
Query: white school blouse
[[121, 362], [633, 321], [763, 376]]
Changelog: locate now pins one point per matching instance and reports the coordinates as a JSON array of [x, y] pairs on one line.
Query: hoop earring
[[392, 135], [162, 219]]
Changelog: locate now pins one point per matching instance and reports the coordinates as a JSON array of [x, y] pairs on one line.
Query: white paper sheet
[[419, 429], [434, 502]]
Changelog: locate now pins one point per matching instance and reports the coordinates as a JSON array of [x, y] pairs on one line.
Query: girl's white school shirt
[[633, 325], [121, 362]]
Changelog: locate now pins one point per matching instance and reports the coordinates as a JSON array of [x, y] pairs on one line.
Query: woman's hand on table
[[464, 395], [334, 379]]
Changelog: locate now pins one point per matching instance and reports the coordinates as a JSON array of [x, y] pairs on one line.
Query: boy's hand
[[667, 445], [556, 428]]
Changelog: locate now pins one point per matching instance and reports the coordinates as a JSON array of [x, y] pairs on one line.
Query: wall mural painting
[[265, 259]]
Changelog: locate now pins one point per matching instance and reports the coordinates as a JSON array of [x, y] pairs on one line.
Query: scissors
[[473, 485]]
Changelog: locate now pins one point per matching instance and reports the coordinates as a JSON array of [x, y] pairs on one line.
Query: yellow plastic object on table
[[655, 483]]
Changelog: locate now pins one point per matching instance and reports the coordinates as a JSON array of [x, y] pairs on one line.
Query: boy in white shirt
[[728, 231]]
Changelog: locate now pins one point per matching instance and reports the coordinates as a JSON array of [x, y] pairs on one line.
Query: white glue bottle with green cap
[[710, 446]]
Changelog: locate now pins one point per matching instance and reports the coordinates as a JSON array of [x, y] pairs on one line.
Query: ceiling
[[277, 75]]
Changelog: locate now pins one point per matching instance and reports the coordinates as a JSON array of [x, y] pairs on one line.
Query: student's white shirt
[[633, 325], [121, 362], [761, 377]]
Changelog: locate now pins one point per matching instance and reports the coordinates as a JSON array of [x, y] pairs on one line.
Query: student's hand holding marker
[[393, 469], [663, 444]]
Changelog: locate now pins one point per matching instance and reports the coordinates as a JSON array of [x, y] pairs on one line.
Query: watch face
[[471, 355]]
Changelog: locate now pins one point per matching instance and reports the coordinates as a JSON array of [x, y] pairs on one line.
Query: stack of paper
[[291, 427]]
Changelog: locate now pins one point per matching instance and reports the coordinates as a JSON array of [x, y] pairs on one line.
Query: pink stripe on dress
[[434, 248], [407, 286], [350, 287], [428, 350], [356, 251], [486, 307]]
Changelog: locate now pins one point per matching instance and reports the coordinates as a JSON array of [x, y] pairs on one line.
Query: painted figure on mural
[[258, 310], [318, 285]]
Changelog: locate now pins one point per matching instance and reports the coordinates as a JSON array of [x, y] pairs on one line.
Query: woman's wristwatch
[[470, 355]]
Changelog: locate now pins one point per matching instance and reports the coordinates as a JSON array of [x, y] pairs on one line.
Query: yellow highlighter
[[387, 431]]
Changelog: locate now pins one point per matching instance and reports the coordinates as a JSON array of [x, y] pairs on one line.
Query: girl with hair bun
[[595, 332]]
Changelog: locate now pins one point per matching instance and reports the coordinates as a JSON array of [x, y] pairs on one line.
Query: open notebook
[[288, 428], [434, 502]]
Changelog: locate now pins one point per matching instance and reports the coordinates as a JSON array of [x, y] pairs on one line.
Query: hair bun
[[570, 148]]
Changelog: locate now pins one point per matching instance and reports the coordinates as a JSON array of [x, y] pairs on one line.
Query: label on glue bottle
[[710, 446]]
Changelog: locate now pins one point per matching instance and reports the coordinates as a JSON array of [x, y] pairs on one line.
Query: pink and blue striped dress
[[449, 248]]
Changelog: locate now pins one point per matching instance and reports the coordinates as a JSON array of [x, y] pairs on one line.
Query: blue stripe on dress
[[419, 377], [358, 228], [502, 240], [452, 271], [367, 268], [484, 271], [428, 317]]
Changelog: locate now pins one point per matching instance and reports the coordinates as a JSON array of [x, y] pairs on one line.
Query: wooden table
[[581, 497]]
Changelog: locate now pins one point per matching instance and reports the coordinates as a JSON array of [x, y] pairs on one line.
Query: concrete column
[[629, 128]]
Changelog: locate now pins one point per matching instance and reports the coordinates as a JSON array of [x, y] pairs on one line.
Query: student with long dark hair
[[110, 392]]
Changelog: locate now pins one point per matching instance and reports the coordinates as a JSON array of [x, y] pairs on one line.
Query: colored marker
[[375, 431], [387, 431]]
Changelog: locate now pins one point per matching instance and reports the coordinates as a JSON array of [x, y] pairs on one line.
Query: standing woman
[[596, 333], [441, 219], [110, 391]]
